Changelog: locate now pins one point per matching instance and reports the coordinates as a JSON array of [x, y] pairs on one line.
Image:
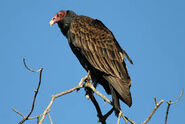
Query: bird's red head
[[58, 17]]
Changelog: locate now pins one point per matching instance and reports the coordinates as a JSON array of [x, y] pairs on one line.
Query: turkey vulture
[[98, 52]]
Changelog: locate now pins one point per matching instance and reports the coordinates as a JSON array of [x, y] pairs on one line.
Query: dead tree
[[87, 85]]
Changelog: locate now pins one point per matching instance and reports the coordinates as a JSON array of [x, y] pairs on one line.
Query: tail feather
[[121, 90]]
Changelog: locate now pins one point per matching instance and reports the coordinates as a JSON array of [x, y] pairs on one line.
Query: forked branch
[[36, 92], [58, 95], [170, 103], [156, 107]]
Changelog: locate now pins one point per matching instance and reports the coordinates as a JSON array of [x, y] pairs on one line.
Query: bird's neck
[[65, 24]]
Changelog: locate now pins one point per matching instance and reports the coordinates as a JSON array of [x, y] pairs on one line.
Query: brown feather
[[103, 52]]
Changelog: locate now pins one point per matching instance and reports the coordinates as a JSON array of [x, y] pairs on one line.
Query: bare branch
[[131, 121], [18, 113], [119, 116], [167, 110], [155, 100], [36, 91], [108, 113], [93, 99], [30, 68], [24, 116], [156, 107], [178, 98], [123, 116], [37, 120], [170, 103], [50, 118]]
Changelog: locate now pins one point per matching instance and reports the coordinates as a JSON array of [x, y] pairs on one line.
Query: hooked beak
[[51, 23]]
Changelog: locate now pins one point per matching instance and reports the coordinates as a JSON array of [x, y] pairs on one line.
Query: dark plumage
[[98, 52]]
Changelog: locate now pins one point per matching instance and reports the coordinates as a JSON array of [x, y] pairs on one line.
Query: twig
[[61, 94], [156, 107], [123, 116], [155, 100], [88, 84], [30, 68], [18, 113], [36, 91], [170, 103], [167, 110], [38, 120], [50, 118], [108, 114], [24, 116], [178, 98], [131, 121], [119, 117]]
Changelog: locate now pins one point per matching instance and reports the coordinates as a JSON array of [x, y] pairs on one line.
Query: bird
[[98, 52]]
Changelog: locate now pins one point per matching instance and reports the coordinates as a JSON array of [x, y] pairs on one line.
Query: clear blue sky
[[151, 31]]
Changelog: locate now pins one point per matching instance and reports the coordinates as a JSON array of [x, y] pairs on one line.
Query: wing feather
[[100, 47]]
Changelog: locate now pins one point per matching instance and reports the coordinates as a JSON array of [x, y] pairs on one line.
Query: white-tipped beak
[[51, 23]]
